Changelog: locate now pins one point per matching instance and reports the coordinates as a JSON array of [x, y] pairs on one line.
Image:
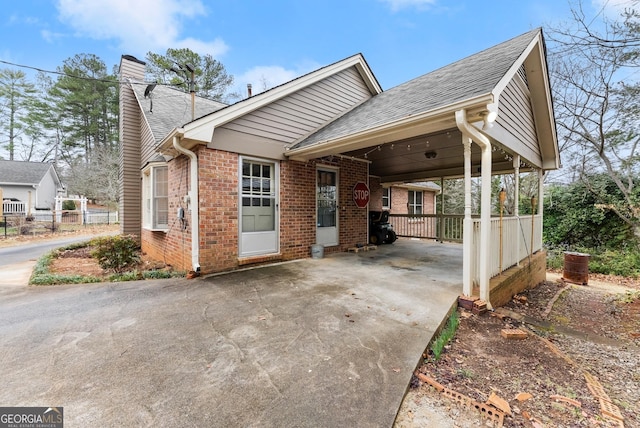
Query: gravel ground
[[573, 330]]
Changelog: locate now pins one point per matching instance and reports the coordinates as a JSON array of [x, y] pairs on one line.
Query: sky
[[266, 43]]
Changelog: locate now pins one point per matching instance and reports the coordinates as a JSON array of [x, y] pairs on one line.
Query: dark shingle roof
[[465, 79], [18, 172], [171, 108]]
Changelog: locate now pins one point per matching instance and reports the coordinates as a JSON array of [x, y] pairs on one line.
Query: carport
[[490, 113]]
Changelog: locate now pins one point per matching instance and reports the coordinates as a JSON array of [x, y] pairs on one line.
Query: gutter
[[195, 203], [364, 137], [474, 134]]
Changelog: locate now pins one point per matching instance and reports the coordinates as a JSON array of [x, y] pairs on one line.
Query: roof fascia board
[[543, 105], [545, 99], [247, 106], [502, 84], [436, 115], [167, 142], [18, 184]]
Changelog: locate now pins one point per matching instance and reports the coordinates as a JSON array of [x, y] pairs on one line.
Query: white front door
[[327, 207], [258, 207]]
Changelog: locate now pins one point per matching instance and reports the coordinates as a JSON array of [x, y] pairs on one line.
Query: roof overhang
[[424, 123], [535, 64], [201, 130]]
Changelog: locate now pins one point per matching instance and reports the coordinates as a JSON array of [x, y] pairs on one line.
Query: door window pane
[[258, 197], [326, 199]]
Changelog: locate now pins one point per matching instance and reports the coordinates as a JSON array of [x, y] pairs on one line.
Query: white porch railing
[[13, 208], [428, 226], [516, 243]]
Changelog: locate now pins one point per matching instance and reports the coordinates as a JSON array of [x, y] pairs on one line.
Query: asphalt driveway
[[327, 342]]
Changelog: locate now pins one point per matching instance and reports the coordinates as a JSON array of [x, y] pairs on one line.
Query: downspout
[[516, 198], [195, 204], [474, 134]]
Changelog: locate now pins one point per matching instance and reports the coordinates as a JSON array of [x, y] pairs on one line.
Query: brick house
[[209, 187], [407, 198]]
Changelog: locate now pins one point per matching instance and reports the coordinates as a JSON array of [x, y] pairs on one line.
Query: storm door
[[327, 207], [258, 207]]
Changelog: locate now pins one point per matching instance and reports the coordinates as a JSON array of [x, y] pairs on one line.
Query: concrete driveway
[[319, 343]]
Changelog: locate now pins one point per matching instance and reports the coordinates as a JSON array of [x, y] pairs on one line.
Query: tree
[[16, 97], [97, 180], [596, 104], [43, 125], [86, 98], [574, 218], [211, 78]]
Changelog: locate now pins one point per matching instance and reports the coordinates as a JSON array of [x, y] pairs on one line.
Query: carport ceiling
[[427, 157]]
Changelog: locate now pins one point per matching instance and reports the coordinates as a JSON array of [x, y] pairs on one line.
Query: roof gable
[[201, 130], [23, 173], [471, 78]]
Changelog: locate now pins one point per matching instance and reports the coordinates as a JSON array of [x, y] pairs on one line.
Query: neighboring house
[[272, 175], [412, 207], [29, 186], [408, 198]]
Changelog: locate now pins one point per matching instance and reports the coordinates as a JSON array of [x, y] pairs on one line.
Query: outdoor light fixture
[[430, 155], [489, 117]]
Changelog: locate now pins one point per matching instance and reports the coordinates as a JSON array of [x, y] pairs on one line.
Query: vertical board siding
[[516, 114], [297, 115]]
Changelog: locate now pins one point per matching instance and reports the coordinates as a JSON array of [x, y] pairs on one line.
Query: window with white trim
[[155, 197], [386, 198], [415, 202]]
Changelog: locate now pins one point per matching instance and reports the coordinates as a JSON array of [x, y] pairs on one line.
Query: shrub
[[68, 205], [624, 263], [116, 252]]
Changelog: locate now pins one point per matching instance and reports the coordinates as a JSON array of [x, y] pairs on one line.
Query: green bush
[[609, 262], [116, 252], [623, 262], [68, 205]]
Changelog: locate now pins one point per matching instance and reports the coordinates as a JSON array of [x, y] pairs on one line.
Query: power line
[[94, 79]]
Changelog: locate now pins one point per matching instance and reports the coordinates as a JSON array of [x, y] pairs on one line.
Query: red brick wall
[[218, 188], [353, 220], [375, 204], [174, 246], [429, 199], [297, 209], [399, 199]]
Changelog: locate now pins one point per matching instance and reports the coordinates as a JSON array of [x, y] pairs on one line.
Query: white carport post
[[484, 246], [540, 193], [467, 232], [540, 202]]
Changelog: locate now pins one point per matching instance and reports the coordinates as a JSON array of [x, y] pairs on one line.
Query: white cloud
[[265, 77], [50, 36], [140, 26], [614, 6], [396, 5]]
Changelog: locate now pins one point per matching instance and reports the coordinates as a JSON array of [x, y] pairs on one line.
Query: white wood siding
[[515, 117], [47, 191], [298, 114]]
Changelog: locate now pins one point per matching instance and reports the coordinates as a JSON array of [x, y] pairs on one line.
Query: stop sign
[[361, 194]]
